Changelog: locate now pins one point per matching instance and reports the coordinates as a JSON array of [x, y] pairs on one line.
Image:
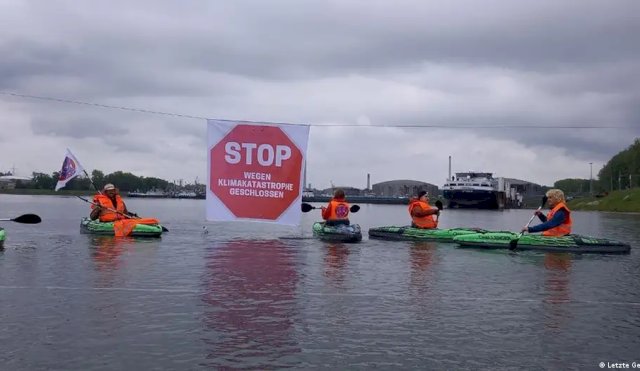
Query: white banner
[[255, 171], [71, 168]]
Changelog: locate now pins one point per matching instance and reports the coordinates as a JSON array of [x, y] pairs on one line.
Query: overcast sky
[[367, 65]]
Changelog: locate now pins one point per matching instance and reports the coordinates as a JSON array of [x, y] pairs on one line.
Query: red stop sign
[[255, 171]]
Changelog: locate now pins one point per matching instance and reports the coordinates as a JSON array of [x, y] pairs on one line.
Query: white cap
[[108, 187]]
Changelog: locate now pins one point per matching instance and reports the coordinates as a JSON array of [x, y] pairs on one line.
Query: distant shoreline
[[625, 201], [362, 200], [49, 192], [45, 192]]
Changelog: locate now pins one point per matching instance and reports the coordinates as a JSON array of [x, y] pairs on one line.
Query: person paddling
[[106, 202], [558, 222], [337, 212], [422, 213]]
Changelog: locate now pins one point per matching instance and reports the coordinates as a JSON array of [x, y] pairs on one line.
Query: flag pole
[[91, 181]]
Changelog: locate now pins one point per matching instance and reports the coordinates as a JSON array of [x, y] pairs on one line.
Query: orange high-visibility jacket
[[108, 215], [338, 209], [564, 228], [426, 222]]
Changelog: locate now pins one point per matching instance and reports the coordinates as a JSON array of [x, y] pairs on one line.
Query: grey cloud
[[283, 40], [408, 63], [330, 39], [131, 144], [78, 124]]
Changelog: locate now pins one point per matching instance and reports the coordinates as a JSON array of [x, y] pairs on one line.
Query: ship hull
[[471, 199]]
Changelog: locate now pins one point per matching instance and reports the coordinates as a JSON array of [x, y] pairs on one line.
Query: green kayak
[[570, 243], [418, 234], [141, 230], [2, 236], [338, 233]]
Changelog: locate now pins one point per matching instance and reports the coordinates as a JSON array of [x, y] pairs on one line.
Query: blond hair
[[556, 194]]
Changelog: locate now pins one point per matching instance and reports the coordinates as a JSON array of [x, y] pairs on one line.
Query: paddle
[[440, 207], [306, 208], [513, 244], [164, 229], [24, 219]]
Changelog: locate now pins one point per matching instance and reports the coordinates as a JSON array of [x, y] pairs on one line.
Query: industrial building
[[404, 188]]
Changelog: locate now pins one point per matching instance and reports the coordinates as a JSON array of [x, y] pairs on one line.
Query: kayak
[[2, 236], [337, 233], [569, 243], [140, 230], [408, 233]]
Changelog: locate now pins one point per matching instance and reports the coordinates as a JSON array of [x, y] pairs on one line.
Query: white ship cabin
[[472, 180]]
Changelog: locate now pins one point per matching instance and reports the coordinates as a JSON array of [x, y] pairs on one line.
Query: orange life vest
[[564, 228], [108, 215], [338, 209], [124, 227], [426, 222]]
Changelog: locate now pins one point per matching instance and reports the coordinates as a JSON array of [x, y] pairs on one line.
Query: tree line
[[622, 171], [126, 182]]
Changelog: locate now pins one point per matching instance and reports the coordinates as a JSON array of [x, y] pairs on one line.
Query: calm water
[[242, 297]]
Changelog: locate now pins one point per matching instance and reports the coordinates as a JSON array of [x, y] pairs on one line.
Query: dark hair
[[422, 193], [339, 193]]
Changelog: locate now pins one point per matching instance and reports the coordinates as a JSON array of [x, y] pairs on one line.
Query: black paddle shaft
[[513, 244], [305, 207]]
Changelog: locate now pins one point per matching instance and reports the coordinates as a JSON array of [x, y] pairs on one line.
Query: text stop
[[265, 154]]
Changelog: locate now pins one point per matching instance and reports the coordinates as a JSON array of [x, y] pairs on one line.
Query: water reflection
[[106, 252], [422, 259], [250, 295], [403, 306], [335, 262], [107, 257], [556, 287]]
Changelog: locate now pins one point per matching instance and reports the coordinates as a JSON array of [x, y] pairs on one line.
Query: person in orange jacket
[[337, 212], [422, 213], [558, 222], [106, 202]]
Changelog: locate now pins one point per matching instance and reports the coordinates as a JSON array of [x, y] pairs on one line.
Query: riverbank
[[50, 192], [624, 201], [362, 200], [46, 192]]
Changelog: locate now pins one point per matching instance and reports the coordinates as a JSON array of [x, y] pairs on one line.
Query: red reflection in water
[[421, 255], [107, 251], [556, 284], [335, 262], [250, 292]]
